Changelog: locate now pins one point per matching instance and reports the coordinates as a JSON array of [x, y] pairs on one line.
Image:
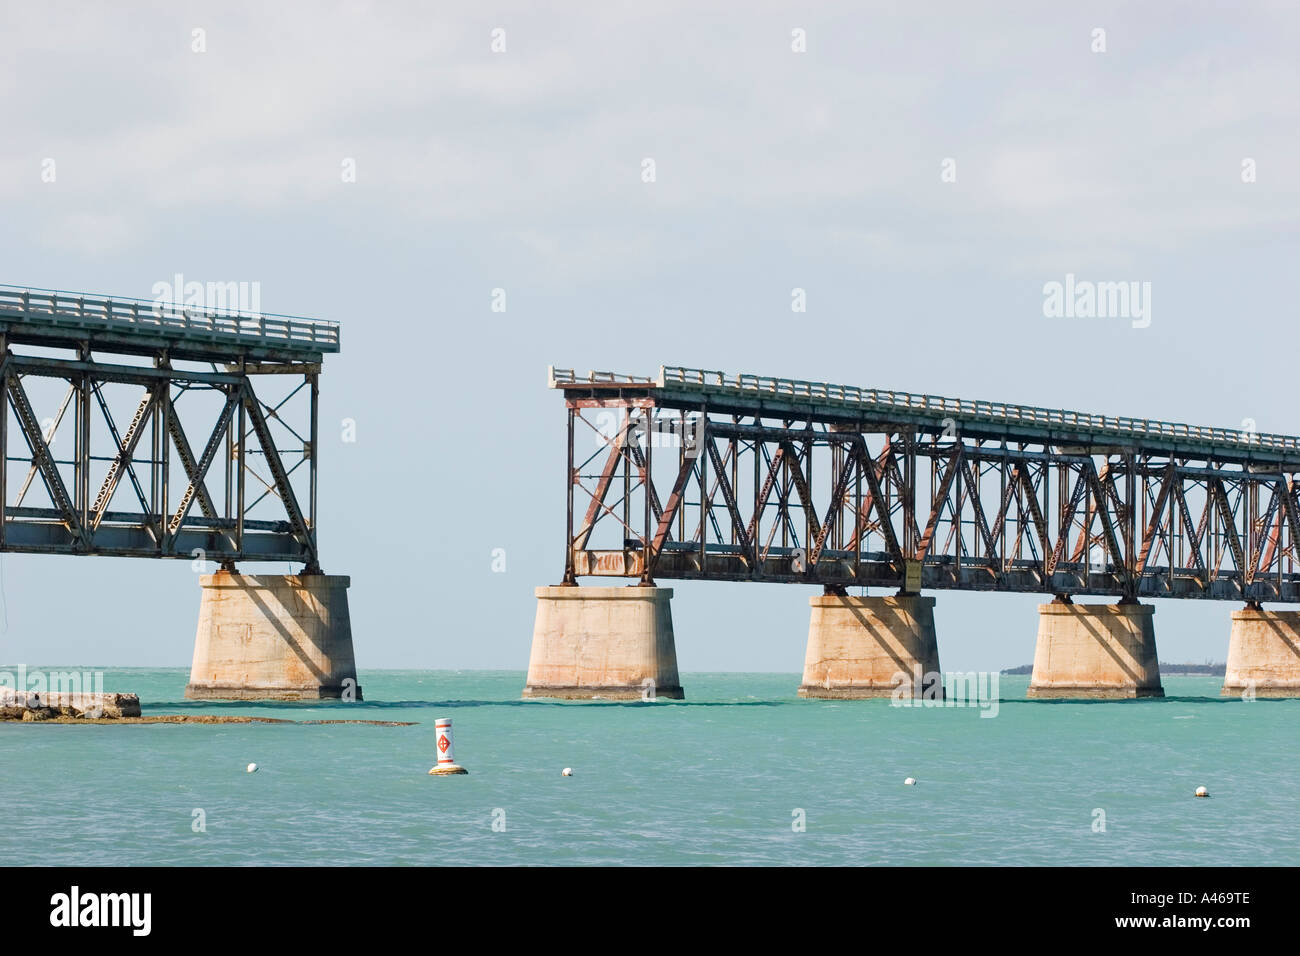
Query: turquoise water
[[715, 779]]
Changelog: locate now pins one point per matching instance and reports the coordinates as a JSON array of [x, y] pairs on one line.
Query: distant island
[[1200, 670]]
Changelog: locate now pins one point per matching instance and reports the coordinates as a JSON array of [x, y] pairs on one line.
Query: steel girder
[[879, 503], [168, 512]]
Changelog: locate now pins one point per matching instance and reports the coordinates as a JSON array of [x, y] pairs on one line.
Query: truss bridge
[[135, 428], [699, 474]]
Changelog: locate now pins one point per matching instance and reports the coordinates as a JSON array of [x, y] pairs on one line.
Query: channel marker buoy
[[446, 759]]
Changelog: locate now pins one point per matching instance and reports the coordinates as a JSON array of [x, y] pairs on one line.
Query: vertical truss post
[[241, 465], [155, 453], [313, 454], [165, 455], [859, 521], [4, 436], [681, 464], [706, 435], [756, 572], [647, 493], [569, 479], [907, 493], [1130, 523], [811, 529], [83, 441], [230, 461], [625, 460]]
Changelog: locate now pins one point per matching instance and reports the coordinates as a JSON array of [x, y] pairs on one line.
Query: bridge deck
[[677, 386], [50, 317]]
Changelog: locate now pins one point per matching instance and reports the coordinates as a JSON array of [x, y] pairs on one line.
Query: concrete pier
[[610, 642], [273, 637], [867, 646], [1095, 651], [1263, 654]]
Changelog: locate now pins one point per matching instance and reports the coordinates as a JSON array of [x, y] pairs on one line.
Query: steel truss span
[[693, 474], [152, 440]]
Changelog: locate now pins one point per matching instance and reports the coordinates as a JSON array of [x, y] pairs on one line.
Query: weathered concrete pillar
[[273, 636], [1096, 651], [1263, 654], [616, 643], [867, 646]]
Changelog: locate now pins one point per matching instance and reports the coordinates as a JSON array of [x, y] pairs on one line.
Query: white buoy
[[567, 772], [1202, 792], [910, 782], [252, 768], [446, 759]]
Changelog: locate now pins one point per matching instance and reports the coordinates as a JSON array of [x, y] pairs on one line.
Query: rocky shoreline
[[100, 708], [195, 719], [40, 705]]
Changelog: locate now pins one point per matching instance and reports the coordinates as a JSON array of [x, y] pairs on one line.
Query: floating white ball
[[1202, 792], [252, 768], [910, 782], [567, 772]]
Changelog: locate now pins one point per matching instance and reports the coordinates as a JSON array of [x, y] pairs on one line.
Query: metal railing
[[999, 411], [826, 392], [51, 307], [567, 376]]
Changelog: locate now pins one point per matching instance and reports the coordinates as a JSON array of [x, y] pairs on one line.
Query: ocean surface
[[743, 772]]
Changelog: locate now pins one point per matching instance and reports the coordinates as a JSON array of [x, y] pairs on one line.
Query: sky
[[921, 171]]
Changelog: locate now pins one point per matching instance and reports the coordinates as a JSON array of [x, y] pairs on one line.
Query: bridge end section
[[1095, 652], [868, 646], [1263, 654], [273, 637], [614, 643]]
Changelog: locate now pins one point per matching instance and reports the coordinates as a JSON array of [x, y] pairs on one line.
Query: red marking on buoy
[[443, 742]]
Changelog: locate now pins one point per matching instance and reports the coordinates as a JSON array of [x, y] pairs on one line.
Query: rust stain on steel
[[608, 563]]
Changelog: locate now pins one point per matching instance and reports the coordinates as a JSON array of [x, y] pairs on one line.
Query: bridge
[[140, 432], [694, 474]]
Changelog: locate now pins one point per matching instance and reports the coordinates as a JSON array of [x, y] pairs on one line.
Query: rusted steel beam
[[674, 504], [1156, 520], [939, 498], [837, 503], [878, 503], [1220, 498], [602, 485], [1097, 484], [1036, 515], [1266, 538], [1067, 522], [728, 496], [801, 488], [760, 503]]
